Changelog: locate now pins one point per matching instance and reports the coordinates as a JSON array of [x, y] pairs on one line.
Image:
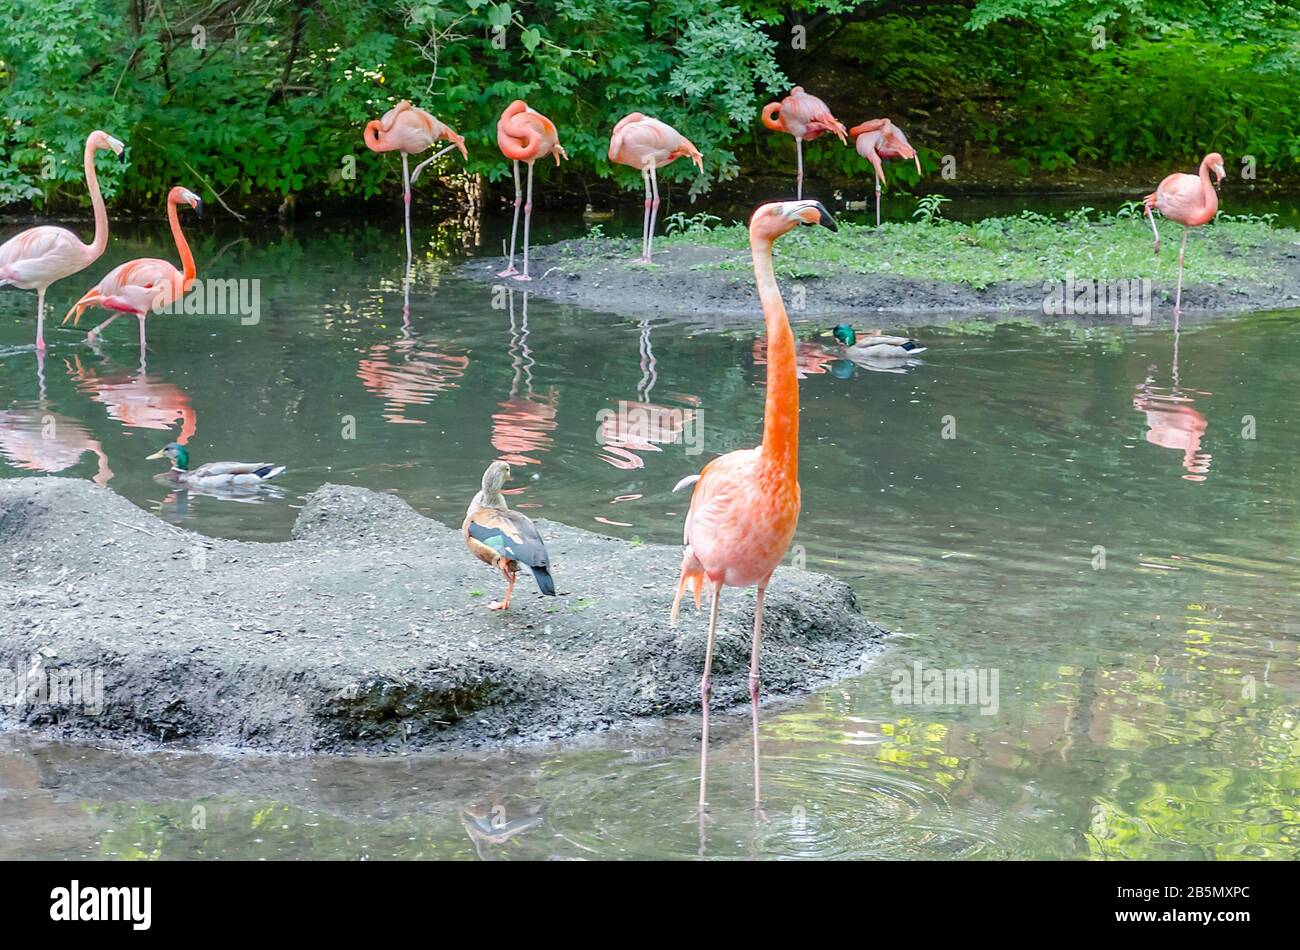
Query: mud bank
[[368, 632], [714, 285]]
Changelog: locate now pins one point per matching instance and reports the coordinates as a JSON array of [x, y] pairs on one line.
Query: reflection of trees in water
[[524, 422], [642, 426], [138, 400], [409, 372]]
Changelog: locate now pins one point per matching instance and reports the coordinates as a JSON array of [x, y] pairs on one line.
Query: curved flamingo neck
[[1208, 194], [781, 408], [182, 245], [97, 246]]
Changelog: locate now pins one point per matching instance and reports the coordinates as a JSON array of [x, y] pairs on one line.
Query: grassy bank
[[1028, 247]]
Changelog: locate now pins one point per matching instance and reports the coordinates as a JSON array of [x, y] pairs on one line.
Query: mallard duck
[[591, 214], [503, 538], [874, 345], [214, 475]]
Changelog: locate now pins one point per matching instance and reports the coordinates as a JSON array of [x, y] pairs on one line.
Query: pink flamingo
[[746, 503], [145, 283], [525, 135], [878, 139], [805, 117], [35, 258], [1192, 201], [410, 131], [648, 144]]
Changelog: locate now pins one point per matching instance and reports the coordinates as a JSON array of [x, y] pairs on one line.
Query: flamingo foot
[[522, 277], [508, 272], [498, 605]]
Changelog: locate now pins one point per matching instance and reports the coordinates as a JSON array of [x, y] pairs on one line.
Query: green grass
[[1030, 247]]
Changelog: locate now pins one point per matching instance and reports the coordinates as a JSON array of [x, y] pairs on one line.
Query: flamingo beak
[[804, 211], [1219, 171], [197, 205]]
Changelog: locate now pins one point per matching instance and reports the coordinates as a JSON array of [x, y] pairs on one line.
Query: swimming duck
[[214, 474], [874, 345], [503, 538]]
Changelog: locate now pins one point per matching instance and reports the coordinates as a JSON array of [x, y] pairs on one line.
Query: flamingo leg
[[877, 202], [415, 174], [753, 685], [40, 320], [798, 181], [654, 214], [645, 221], [514, 227], [706, 693], [1178, 295], [528, 220], [142, 343], [1152, 218], [90, 337], [406, 200]]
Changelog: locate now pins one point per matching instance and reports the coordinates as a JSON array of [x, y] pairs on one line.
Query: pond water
[[1110, 530]]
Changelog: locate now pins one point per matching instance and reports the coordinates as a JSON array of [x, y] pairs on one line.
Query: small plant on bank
[[929, 209], [680, 223]]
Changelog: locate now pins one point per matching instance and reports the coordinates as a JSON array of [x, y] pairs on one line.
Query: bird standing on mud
[[1192, 201], [525, 135], [805, 117], [503, 538], [746, 503], [648, 145]]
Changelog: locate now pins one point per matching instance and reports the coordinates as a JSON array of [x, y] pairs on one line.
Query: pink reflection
[[643, 426], [521, 429], [138, 400], [1172, 420], [37, 440], [811, 359], [409, 372]]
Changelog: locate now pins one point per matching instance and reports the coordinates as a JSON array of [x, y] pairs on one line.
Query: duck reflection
[[491, 824], [137, 400], [1173, 422], [642, 425], [409, 372], [38, 440], [522, 426]]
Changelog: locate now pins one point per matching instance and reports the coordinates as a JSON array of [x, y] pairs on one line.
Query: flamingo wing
[[1180, 198], [39, 256]]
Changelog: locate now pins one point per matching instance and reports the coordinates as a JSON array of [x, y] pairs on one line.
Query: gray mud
[[368, 632]]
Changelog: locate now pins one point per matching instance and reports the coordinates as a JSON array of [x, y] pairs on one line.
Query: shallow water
[[1147, 693]]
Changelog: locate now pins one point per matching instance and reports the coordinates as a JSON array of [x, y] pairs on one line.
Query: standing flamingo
[[805, 117], [878, 139], [145, 283], [648, 144], [746, 503], [410, 131], [35, 258], [1191, 201], [525, 135]]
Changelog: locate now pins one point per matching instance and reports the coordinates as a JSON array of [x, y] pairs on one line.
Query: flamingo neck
[[100, 242], [1208, 193], [183, 246], [781, 408]]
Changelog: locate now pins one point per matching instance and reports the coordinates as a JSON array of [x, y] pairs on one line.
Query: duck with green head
[[873, 345], [214, 475]]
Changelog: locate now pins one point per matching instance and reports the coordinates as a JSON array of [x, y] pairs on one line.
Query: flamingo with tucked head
[[525, 135], [146, 283], [410, 130], [746, 503], [35, 258], [648, 145], [805, 117], [1192, 201], [878, 139]]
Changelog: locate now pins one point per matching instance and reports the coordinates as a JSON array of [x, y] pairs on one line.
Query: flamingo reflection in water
[[642, 426], [38, 440], [410, 372], [1173, 422], [522, 426], [811, 359], [137, 400]]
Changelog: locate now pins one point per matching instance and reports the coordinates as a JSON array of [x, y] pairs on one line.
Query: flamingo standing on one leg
[[746, 503], [1191, 201], [805, 117], [525, 135], [410, 131], [878, 139], [145, 283], [648, 144], [35, 258]]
